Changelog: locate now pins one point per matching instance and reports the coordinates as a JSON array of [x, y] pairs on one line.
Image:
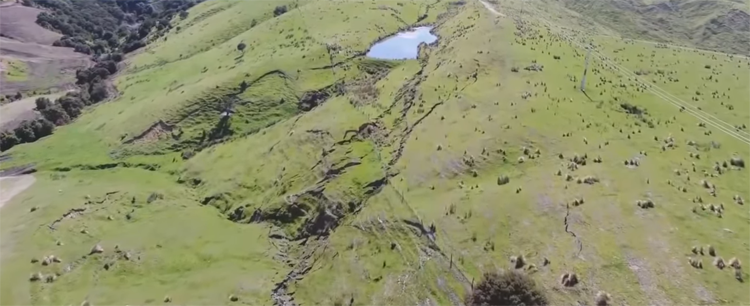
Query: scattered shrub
[[695, 263], [569, 279], [602, 298], [719, 263], [734, 263], [517, 261], [645, 204], [737, 162]]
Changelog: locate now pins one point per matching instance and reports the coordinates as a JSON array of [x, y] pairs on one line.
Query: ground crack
[[579, 244]]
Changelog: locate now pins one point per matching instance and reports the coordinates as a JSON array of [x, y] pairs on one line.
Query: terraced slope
[[338, 179]]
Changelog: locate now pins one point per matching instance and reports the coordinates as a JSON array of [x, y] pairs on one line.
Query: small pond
[[403, 45]]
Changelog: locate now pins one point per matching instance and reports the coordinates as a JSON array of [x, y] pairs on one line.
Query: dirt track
[[13, 185], [48, 67]]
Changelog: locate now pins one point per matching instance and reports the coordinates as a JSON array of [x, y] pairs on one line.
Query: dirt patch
[[13, 185], [646, 279], [16, 112], [154, 133], [48, 67], [18, 22]]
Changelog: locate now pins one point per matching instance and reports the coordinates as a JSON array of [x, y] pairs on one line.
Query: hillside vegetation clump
[[100, 27], [506, 288]]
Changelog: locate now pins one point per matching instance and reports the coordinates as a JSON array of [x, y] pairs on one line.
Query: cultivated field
[[340, 179]]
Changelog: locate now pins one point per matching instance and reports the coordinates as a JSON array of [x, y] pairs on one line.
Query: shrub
[[279, 10], [719, 263], [737, 162], [506, 288], [602, 298]]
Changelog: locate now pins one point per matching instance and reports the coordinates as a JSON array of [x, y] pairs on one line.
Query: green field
[[329, 200], [14, 70]]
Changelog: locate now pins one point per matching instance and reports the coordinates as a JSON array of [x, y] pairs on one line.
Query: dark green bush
[[279, 10], [506, 288]]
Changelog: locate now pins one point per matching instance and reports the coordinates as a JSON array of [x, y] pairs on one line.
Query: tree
[[24, 132], [98, 92], [279, 10], [7, 140], [183, 14], [241, 46], [42, 103], [42, 127], [71, 105], [56, 114], [508, 288]]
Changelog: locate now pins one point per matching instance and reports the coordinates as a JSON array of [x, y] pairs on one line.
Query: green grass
[[179, 247], [14, 70], [460, 96]]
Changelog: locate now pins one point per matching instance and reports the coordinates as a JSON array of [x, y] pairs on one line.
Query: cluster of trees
[[65, 109], [103, 28], [28, 131], [60, 112], [108, 26], [11, 98]]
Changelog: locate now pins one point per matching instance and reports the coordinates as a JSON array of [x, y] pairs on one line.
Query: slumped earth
[[343, 179]]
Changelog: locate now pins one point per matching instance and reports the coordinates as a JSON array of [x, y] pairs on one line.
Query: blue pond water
[[402, 45]]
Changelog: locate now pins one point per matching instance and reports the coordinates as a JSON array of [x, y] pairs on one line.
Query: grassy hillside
[[340, 179], [714, 25]]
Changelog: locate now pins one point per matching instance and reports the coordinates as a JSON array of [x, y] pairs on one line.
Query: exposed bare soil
[[49, 68], [13, 185], [18, 22]]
